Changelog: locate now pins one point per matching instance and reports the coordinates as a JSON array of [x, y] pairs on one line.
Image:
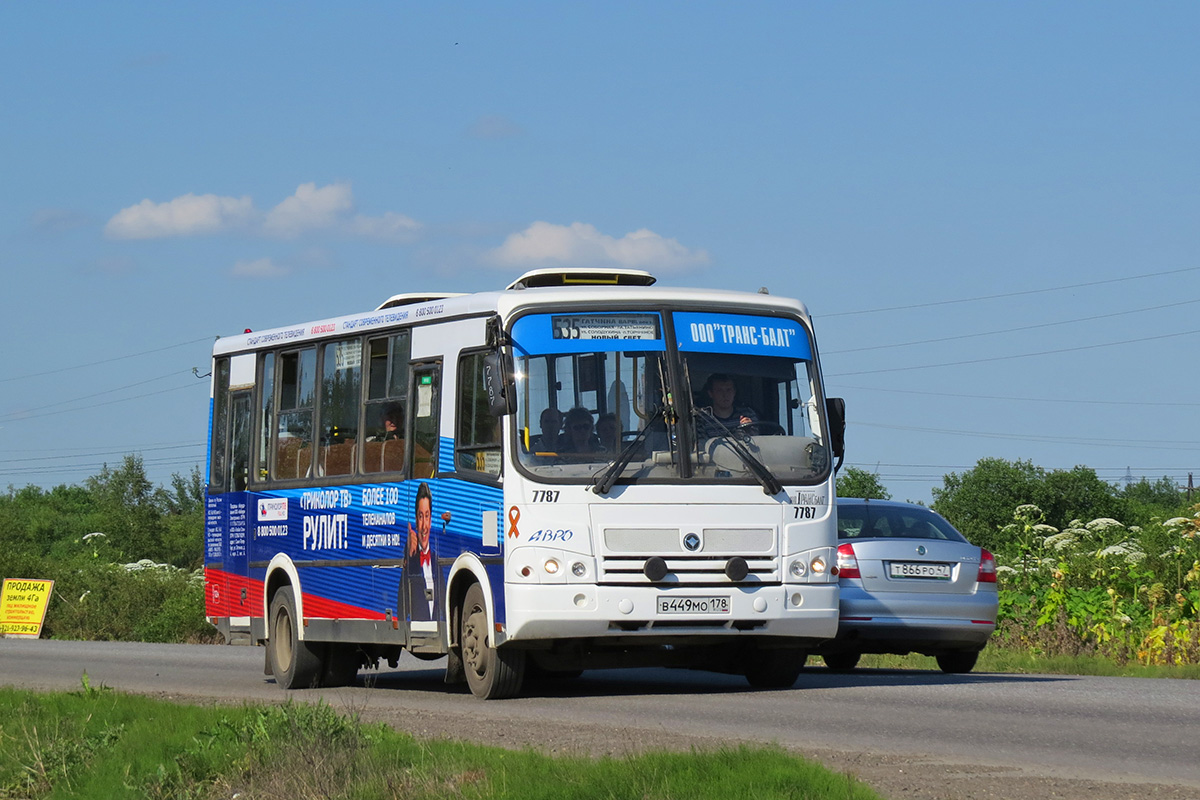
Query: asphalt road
[[1123, 730]]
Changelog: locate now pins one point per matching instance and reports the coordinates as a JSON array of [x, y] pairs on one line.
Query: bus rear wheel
[[295, 663], [341, 665], [492, 673]]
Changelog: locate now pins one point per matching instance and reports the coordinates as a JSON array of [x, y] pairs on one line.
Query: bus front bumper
[[543, 611]]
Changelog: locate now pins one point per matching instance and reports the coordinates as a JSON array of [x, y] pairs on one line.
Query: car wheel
[[492, 673], [775, 669], [296, 664], [957, 662], [842, 662]]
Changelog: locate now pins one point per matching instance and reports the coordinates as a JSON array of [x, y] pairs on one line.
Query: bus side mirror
[[835, 409], [498, 382]]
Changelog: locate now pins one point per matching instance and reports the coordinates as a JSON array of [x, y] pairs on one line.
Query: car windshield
[[597, 398], [875, 521]]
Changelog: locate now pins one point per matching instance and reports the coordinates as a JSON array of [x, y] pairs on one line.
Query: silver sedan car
[[910, 583]]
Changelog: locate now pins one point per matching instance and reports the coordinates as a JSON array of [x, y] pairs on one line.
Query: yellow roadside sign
[[23, 605]]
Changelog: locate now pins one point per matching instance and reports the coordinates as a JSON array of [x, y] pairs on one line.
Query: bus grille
[[707, 570]]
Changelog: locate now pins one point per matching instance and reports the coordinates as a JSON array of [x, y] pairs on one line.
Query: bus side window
[[220, 428], [294, 433], [266, 411], [239, 441], [477, 435], [230, 431], [341, 393], [385, 411]]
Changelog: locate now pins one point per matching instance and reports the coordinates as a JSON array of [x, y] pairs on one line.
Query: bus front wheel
[[492, 673], [775, 669], [295, 663]]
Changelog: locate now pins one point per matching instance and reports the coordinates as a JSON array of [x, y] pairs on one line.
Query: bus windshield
[[737, 393]]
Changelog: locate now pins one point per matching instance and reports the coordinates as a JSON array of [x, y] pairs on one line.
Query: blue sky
[[990, 209]]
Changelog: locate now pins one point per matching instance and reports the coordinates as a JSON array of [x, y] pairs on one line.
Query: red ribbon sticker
[[514, 516]]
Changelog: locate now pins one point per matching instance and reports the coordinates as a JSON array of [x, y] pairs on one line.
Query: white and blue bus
[[580, 471]]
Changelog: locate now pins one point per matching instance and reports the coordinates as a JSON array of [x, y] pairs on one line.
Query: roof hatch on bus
[[412, 298], [582, 276]]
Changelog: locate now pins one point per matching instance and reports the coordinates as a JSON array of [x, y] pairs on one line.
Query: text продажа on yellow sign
[[23, 606]]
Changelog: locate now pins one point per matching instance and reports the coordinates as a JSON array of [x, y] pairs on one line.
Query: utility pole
[[1189, 488]]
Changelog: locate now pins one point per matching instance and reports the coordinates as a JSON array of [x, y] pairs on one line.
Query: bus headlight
[[798, 568], [818, 565], [551, 566], [579, 569]]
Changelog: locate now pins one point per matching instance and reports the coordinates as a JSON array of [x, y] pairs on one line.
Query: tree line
[[980, 501], [1106, 564], [126, 556]]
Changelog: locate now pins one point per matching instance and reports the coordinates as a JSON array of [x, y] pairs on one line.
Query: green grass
[[994, 659], [98, 743]]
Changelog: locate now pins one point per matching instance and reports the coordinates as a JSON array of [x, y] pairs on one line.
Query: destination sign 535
[[536, 334]]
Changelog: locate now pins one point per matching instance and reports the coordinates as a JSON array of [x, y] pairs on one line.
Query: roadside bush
[[114, 602], [1131, 593]]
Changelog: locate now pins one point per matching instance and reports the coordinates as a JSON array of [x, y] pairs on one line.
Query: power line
[[1149, 444], [1021, 355], [106, 360], [95, 466], [1012, 294], [99, 451], [123, 451], [13, 415], [1118, 471], [1011, 330], [1023, 399], [194, 383]]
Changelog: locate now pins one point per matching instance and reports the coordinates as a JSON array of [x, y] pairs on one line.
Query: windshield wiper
[[771, 485], [606, 479]]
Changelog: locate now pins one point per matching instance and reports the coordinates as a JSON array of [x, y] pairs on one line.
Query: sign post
[[23, 605]]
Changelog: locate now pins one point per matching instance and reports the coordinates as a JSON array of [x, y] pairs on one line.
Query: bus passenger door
[[423, 584]]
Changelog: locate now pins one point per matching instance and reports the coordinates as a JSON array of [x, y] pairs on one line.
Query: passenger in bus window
[[609, 433], [722, 396], [393, 423], [578, 436], [421, 571], [551, 423]]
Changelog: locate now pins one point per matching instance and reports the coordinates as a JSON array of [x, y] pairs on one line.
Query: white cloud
[[189, 215], [390, 227], [581, 245], [310, 208], [259, 268]]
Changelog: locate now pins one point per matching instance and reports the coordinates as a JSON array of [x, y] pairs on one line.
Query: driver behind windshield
[[722, 396], [578, 436]]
